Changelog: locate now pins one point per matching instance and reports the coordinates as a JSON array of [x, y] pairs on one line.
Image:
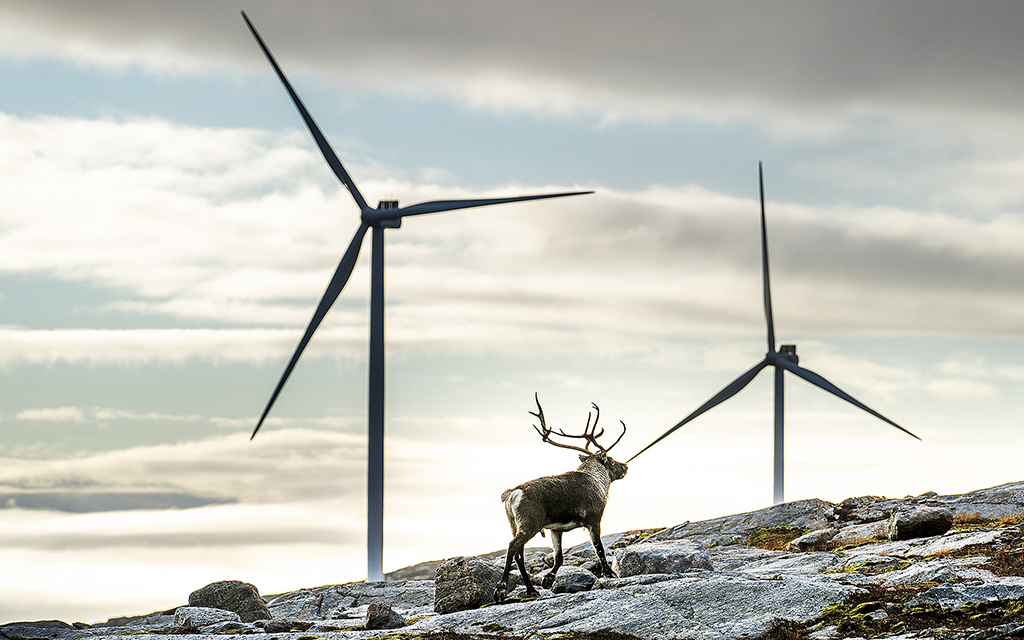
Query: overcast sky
[[167, 226]]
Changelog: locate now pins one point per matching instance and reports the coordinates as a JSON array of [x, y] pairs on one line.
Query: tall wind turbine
[[785, 359], [387, 215]]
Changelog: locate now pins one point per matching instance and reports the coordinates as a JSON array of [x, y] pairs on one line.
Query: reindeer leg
[[556, 544], [530, 590], [499, 591], [595, 538]]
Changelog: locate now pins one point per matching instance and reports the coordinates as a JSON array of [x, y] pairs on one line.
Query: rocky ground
[[925, 566]]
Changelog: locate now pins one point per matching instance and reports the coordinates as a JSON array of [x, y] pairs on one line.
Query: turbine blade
[[729, 391], [822, 383], [436, 206], [337, 283], [318, 136], [769, 318]]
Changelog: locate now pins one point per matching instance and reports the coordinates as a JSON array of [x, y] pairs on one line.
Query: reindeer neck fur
[[595, 469]]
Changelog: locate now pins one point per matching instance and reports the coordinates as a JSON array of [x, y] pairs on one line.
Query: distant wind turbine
[[387, 215], [785, 359]]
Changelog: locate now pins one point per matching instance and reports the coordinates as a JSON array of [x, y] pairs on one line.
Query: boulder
[[572, 579], [232, 595], [813, 541], [195, 618], [465, 583], [676, 556], [382, 616], [919, 522]]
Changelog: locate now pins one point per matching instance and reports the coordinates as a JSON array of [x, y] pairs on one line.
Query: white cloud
[[55, 414]]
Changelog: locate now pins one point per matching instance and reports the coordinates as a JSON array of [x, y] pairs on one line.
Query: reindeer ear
[[583, 458]]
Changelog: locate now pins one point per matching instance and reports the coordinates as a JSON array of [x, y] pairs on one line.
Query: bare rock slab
[[192, 619], [232, 595], [700, 606], [813, 514]]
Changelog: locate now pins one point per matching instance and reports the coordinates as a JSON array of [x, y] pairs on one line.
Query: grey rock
[[934, 571], [330, 626], [922, 547], [159, 618], [195, 618], [994, 502], [332, 601], [956, 595], [464, 583], [382, 616], [572, 579], [36, 630], [792, 564], [861, 533], [813, 514], [283, 626], [737, 556], [674, 556], [232, 595], [230, 627], [813, 541], [865, 509], [919, 522]]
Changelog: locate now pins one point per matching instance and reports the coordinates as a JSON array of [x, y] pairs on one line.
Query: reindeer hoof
[[532, 593], [547, 580], [499, 595]]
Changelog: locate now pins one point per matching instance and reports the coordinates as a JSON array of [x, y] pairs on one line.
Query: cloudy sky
[[167, 226]]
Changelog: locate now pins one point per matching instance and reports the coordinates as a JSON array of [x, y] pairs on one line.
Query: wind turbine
[[785, 359], [387, 215]]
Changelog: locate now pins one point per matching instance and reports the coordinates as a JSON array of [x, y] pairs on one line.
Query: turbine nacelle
[[786, 352], [387, 215]]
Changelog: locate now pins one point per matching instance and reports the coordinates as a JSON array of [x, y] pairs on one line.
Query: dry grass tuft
[[967, 521]]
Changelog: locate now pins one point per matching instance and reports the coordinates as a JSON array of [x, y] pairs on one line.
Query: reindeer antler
[[590, 434]]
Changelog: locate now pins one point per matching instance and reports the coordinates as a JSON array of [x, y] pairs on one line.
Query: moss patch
[[775, 538], [884, 612]]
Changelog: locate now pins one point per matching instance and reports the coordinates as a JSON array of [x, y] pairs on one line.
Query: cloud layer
[[662, 59]]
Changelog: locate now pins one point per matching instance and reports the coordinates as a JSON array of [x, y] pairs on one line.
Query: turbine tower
[[387, 215], [784, 359]]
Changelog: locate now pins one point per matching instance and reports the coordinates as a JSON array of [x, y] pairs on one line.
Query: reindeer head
[[616, 470]]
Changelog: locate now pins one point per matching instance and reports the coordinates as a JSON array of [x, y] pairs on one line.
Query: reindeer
[[561, 503]]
